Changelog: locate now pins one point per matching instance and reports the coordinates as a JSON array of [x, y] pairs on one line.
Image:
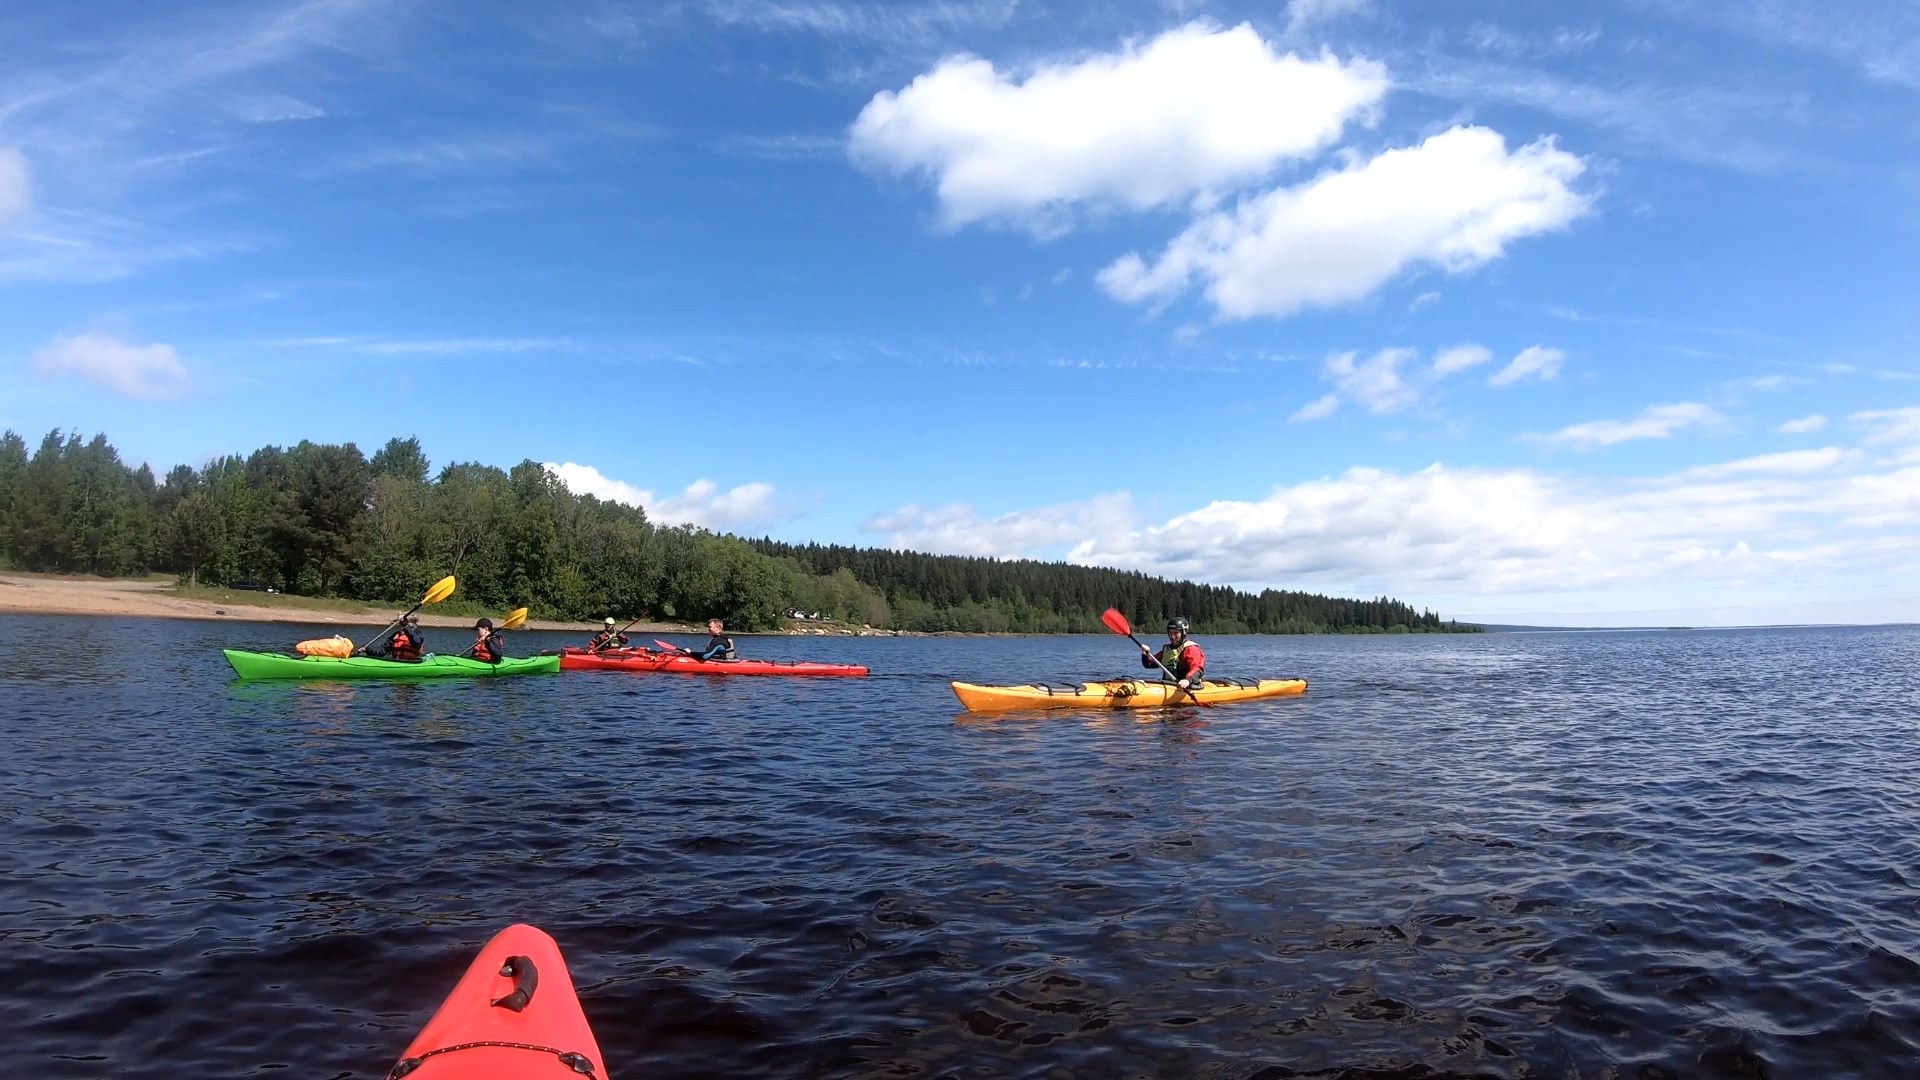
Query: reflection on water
[[1626, 855]]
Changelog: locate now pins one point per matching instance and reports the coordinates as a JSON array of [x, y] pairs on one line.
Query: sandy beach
[[47, 594]]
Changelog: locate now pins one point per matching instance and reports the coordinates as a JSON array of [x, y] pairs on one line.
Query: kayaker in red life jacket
[[607, 639], [405, 643], [488, 646], [1181, 656], [718, 647]]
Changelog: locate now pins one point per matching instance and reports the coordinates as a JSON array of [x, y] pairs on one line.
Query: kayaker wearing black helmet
[[488, 645], [1181, 656]]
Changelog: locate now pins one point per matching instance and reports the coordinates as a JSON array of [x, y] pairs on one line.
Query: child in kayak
[[606, 638], [1181, 656], [718, 647], [488, 646], [405, 643]]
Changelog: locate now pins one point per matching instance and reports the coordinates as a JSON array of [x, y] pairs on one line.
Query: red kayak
[[512, 1016], [645, 660]]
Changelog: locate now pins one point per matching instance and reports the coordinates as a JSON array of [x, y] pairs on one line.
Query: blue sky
[[1516, 310]]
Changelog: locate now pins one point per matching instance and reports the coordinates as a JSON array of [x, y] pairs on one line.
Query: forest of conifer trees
[[326, 520]]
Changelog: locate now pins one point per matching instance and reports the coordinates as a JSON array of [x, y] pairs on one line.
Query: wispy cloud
[[1533, 362], [904, 24], [1804, 426], [788, 147], [1656, 422], [153, 372], [1877, 40], [15, 190]]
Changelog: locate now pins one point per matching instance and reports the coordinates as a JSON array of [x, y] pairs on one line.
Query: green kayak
[[258, 665]]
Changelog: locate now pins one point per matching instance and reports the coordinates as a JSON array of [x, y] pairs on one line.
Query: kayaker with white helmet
[[1182, 656]]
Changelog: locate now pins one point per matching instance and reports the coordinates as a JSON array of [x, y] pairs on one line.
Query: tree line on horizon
[[326, 520]]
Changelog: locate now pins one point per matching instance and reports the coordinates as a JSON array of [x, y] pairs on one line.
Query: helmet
[[609, 620], [1176, 623], [483, 623]]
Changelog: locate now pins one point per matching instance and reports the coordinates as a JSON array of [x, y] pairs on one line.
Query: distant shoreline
[[24, 593]]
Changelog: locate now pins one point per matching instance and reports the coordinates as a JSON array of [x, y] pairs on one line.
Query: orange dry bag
[[335, 646]]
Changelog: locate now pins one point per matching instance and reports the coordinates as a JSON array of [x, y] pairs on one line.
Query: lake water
[[1631, 855]]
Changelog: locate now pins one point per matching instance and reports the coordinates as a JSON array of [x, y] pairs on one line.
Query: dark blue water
[[1602, 855]]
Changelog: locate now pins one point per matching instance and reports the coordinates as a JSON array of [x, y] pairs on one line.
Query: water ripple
[[1616, 855]]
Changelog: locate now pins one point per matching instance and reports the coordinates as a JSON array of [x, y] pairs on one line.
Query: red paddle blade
[[1116, 622]]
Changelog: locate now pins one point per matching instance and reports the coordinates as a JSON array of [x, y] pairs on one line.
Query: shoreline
[[23, 593]]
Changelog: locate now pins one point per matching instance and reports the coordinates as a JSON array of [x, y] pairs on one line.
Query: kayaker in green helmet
[[718, 647], [488, 646], [607, 638], [1182, 656]]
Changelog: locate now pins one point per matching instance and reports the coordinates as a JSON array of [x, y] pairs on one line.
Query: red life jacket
[[403, 646], [487, 649]]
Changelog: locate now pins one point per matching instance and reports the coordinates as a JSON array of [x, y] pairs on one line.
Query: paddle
[[608, 644], [671, 647], [1117, 623], [440, 591], [514, 620]]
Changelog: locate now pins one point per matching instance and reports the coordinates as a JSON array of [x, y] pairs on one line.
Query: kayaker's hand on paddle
[[1183, 684]]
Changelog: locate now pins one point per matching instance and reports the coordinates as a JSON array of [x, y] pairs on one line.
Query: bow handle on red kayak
[[526, 979]]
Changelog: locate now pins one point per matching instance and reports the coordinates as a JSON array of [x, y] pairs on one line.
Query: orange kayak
[[512, 1016]]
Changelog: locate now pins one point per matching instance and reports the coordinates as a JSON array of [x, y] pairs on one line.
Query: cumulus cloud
[[1455, 202], [15, 191], [1195, 110], [701, 503], [957, 530], [1804, 426], [1533, 362], [154, 372], [1656, 422], [1834, 514]]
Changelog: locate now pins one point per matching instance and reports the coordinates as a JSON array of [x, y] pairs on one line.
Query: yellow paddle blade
[[514, 619], [440, 591]]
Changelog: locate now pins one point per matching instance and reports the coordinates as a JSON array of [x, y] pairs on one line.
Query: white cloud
[[701, 503], [957, 530], [143, 371], [1196, 110], [275, 109], [461, 346], [1811, 524], [1804, 426], [16, 193], [1535, 360], [1318, 409], [1656, 422], [891, 23], [1425, 299], [1460, 358], [1374, 382], [1389, 381], [1304, 13], [1455, 201]]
